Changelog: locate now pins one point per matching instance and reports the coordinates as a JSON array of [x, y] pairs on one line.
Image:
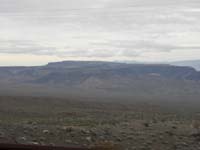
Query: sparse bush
[[105, 145], [195, 124]]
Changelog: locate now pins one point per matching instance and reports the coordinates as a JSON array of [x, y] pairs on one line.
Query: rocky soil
[[138, 126]]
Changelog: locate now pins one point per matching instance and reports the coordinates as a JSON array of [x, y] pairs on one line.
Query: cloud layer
[[101, 29]]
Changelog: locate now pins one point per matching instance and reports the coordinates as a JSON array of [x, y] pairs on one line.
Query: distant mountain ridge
[[191, 63], [80, 70], [187, 63], [110, 78]]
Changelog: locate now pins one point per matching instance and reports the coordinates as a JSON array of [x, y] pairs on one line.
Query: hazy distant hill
[[100, 79], [80, 71], [191, 63]]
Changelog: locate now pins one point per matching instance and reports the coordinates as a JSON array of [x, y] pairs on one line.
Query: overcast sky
[[34, 32]]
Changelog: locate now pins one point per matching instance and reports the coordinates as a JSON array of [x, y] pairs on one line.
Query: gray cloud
[[120, 48], [24, 47], [136, 47], [99, 28]]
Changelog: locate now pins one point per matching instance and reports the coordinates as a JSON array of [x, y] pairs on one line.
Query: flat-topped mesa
[[84, 69], [94, 77], [80, 70], [77, 63]]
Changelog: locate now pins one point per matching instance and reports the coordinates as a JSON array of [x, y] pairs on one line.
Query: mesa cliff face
[[104, 76]]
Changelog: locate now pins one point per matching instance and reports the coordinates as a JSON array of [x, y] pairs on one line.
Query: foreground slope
[[67, 122]]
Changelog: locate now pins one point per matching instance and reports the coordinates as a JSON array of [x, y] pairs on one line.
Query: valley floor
[[128, 126]]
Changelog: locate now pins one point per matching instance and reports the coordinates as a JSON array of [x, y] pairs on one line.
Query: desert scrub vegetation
[[125, 127], [105, 145]]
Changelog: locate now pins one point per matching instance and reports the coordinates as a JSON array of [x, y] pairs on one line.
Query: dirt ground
[[127, 126]]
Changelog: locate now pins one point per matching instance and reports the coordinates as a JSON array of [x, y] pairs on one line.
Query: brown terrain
[[65, 122], [88, 104]]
